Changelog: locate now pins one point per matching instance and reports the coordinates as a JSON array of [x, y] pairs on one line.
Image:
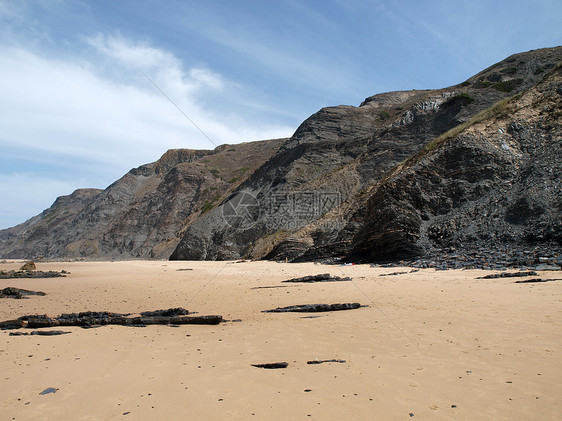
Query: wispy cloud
[[98, 109]]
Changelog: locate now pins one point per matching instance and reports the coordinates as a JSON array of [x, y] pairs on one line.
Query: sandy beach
[[436, 345]]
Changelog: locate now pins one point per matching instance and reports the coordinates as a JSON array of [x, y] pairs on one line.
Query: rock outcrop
[[405, 173], [141, 215]]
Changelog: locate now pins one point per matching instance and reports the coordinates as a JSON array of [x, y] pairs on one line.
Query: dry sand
[[432, 345]]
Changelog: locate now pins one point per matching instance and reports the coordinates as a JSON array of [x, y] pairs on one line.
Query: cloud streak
[[100, 111]]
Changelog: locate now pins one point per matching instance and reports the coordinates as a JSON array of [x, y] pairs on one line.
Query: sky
[[91, 89]]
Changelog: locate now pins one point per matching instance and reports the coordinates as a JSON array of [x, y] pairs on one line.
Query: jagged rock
[[29, 266], [313, 308], [12, 292], [509, 275], [325, 277], [272, 365]]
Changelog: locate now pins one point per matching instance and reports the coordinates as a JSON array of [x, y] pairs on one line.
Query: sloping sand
[[431, 345]]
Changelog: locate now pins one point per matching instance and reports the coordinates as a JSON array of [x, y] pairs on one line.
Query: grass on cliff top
[[500, 108]]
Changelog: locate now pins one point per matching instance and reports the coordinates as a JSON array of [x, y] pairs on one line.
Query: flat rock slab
[[40, 333], [18, 293], [325, 361], [12, 274], [509, 275], [175, 316], [272, 365], [534, 281], [314, 308], [324, 277]]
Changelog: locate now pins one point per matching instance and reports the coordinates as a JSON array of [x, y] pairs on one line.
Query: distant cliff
[[474, 165], [141, 215]]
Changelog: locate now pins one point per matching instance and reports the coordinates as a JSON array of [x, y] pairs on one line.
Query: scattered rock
[[272, 365], [536, 280], [393, 273], [324, 277], [509, 275], [12, 274], [325, 361], [29, 266], [49, 332], [11, 324], [91, 318], [18, 293], [179, 311], [313, 308], [546, 266], [48, 390]]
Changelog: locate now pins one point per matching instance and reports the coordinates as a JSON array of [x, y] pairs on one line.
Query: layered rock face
[[339, 186], [144, 213], [494, 183], [402, 175]]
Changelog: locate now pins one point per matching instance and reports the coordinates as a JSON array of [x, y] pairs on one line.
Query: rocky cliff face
[[322, 195], [405, 173], [144, 213]]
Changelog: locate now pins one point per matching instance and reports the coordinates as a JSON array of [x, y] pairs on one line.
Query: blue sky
[[78, 108]]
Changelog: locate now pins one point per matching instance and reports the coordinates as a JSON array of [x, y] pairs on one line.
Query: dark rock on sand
[[536, 280], [40, 333], [11, 324], [324, 277], [174, 316], [313, 308], [29, 266], [30, 274], [49, 332], [509, 275], [325, 361], [272, 365], [12, 292], [179, 311]]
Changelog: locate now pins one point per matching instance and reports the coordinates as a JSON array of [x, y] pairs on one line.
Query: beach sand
[[431, 345]]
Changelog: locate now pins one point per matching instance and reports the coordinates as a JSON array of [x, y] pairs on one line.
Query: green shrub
[[384, 115], [482, 84], [508, 85], [233, 180], [215, 172], [460, 99], [207, 207], [509, 71]]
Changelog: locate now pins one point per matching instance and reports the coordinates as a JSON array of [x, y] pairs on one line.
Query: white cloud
[[102, 112], [68, 108]]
